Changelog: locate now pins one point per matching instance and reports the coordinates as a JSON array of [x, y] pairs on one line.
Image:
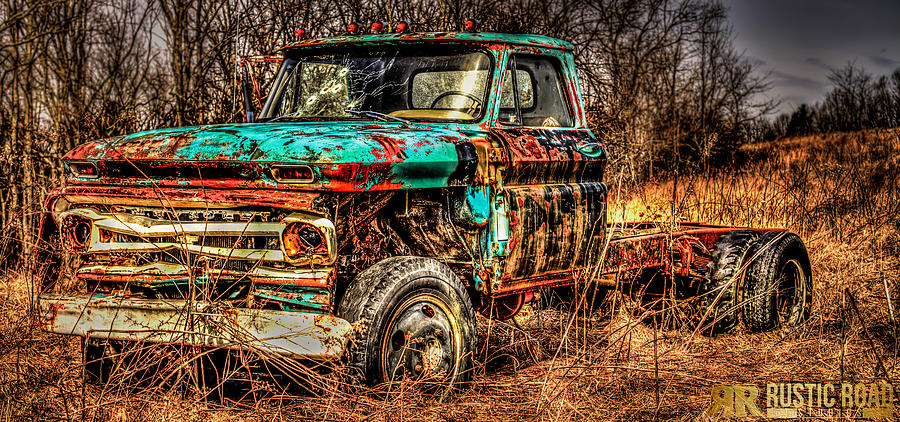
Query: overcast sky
[[798, 41]]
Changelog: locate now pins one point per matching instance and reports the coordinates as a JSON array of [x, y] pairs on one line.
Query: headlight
[[77, 232], [308, 239], [302, 239]]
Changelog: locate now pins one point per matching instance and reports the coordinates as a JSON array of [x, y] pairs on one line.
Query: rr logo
[[734, 401]]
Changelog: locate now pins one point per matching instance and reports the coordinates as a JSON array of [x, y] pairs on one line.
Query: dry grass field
[[840, 193]]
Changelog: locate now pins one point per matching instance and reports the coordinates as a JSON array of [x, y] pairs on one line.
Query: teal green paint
[[594, 149], [422, 155], [479, 204], [479, 282], [307, 296], [462, 37]]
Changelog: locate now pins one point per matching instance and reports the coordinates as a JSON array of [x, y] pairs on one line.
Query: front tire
[[415, 321], [778, 283]]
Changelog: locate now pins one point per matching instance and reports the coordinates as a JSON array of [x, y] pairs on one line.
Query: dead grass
[[840, 192]]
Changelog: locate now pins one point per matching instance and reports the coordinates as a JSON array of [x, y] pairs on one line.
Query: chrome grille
[[136, 233], [236, 242], [124, 231], [205, 262]]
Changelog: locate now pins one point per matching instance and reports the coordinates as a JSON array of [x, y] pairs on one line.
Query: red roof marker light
[[300, 33], [353, 29], [403, 26], [377, 27], [470, 25]]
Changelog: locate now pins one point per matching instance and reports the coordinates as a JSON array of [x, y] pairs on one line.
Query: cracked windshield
[[436, 83]]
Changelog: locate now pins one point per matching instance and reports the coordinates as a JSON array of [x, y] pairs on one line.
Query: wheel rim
[[791, 295], [421, 340]]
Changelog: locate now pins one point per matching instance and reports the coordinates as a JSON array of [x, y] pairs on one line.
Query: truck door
[[553, 191]]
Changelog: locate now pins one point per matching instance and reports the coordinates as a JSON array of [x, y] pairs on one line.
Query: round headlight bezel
[[78, 232], [302, 240]]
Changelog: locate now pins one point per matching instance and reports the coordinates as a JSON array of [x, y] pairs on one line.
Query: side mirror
[[247, 90]]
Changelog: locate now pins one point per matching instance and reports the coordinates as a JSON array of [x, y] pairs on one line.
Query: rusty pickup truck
[[392, 186]]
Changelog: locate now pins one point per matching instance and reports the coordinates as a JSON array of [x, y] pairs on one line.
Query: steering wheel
[[476, 102]]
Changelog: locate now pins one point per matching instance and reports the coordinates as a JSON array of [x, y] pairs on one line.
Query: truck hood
[[343, 155]]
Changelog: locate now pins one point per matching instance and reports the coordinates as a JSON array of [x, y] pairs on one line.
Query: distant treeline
[[857, 100], [661, 78]]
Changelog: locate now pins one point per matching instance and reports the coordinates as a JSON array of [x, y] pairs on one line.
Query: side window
[[525, 90], [541, 99]]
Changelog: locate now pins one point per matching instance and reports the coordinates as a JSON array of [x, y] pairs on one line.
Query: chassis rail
[[636, 246]]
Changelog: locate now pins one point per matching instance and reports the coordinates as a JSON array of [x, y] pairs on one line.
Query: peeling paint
[[345, 156], [509, 208]]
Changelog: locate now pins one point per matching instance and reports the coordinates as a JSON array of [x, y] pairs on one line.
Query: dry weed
[[839, 192]]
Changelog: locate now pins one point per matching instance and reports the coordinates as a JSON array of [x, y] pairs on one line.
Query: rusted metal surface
[[553, 227], [552, 156], [644, 245], [292, 334], [281, 215], [345, 156], [201, 198], [633, 247]]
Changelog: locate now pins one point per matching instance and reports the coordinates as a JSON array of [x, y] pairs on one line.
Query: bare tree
[[661, 78]]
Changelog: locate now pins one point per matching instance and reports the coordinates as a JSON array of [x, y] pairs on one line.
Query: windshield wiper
[[367, 113], [380, 116], [285, 116]]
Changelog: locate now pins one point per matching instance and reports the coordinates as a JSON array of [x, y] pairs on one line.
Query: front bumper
[[291, 334]]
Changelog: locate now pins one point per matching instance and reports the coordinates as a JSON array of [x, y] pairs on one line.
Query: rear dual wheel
[[720, 295], [778, 283], [764, 280]]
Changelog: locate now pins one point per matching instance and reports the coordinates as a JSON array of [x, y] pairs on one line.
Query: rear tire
[[721, 292], [778, 282], [415, 320]]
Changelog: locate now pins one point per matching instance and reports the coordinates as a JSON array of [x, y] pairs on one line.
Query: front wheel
[[778, 282], [415, 321]]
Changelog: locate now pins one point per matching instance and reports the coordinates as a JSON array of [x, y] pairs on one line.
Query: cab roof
[[462, 37]]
